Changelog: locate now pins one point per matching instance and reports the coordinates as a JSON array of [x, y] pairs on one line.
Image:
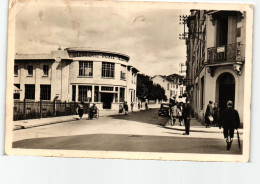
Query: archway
[[225, 89]]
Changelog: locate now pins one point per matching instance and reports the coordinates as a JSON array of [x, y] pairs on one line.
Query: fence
[[34, 110]]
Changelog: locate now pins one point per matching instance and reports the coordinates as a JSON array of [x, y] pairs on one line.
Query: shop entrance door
[[107, 99], [226, 83]]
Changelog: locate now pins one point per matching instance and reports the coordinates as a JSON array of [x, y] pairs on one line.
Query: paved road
[[139, 131]]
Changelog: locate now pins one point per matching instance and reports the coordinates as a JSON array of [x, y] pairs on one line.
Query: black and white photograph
[[129, 80]]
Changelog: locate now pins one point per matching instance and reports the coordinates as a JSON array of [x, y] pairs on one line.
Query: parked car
[[164, 110]]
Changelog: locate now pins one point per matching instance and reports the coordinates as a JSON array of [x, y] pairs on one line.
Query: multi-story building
[[215, 59], [172, 84], [74, 75]]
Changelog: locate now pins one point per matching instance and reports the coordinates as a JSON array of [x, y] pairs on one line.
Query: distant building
[[75, 74], [215, 59], [172, 84]]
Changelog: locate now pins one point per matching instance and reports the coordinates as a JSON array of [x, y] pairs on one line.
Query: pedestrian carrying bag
[[211, 119]]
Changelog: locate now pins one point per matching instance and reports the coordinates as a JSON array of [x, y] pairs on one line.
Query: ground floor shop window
[[73, 93], [116, 94], [84, 93], [17, 91], [45, 93], [30, 91], [96, 93], [122, 94]]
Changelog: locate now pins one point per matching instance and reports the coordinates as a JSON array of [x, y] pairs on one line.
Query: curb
[[199, 130], [19, 127]]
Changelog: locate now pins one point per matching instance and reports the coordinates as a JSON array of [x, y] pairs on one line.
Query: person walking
[[180, 110], [121, 108], [126, 108], [92, 111], [186, 116], [230, 121], [174, 113], [209, 115], [146, 105], [132, 106], [216, 115], [80, 109]]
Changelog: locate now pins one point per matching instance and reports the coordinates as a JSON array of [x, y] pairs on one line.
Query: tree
[[147, 90]]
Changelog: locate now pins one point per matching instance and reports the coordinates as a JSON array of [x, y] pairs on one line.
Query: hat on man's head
[[229, 103]]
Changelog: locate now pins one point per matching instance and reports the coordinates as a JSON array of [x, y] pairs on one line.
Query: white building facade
[[173, 86], [74, 75], [215, 59]]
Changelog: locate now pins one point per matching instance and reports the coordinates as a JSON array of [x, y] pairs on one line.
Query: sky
[[150, 36]]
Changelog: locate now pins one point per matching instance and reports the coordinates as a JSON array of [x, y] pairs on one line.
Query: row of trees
[[146, 89]]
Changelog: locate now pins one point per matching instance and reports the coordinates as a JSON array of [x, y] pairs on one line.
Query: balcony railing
[[224, 53]]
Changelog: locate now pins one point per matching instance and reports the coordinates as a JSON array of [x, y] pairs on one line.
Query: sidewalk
[[29, 123], [196, 126]]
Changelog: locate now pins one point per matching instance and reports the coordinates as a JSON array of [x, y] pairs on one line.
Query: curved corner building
[[74, 75]]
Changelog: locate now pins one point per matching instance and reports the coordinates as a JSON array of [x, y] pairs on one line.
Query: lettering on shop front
[[95, 55]]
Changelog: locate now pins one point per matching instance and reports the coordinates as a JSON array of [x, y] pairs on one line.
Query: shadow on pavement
[[133, 143], [149, 116]]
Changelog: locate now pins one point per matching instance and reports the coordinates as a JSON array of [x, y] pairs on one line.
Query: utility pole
[[182, 65]]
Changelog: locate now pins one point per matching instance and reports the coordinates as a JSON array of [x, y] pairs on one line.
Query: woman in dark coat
[[209, 112], [81, 109], [126, 108], [216, 115]]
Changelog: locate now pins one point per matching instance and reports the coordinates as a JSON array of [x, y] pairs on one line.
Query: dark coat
[[216, 114], [186, 111], [209, 112], [229, 118], [126, 107]]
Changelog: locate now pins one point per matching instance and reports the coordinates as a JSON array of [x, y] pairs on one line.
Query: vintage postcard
[[129, 80]]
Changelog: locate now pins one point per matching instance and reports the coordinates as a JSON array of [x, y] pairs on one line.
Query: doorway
[[226, 90], [107, 99]]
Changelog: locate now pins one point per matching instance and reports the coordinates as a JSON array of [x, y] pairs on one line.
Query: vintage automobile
[[164, 109]]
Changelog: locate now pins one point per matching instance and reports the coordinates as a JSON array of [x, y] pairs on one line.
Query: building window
[[222, 31], [45, 70], [30, 70], [85, 93], [108, 69], [122, 94], [45, 93], [239, 32], [170, 93], [30, 91], [134, 95], [105, 88], [181, 91], [168, 86], [176, 86], [17, 91], [123, 72], [15, 70], [86, 68]]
